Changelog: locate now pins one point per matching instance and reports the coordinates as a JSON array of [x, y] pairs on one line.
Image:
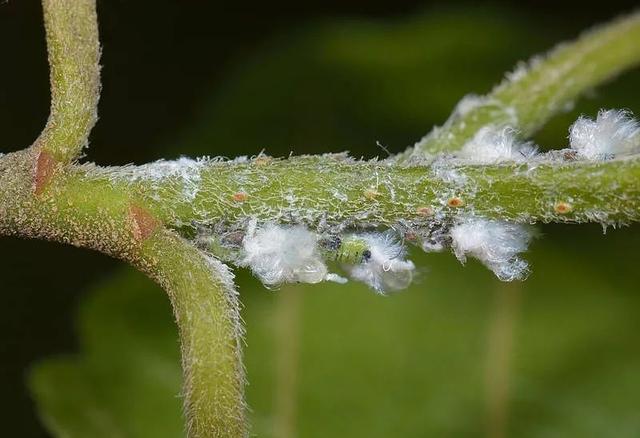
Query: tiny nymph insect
[[350, 250]]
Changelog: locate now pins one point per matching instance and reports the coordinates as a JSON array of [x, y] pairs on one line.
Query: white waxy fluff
[[613, 133], [495, 243], [278, 254], [185, 170], [491, 146], [468, 103], [384, 269]]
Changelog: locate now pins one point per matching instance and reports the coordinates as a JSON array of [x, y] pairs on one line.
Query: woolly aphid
[[435, 240], [613, 133], [278, 254], [495, 243], [492, 146], [384, 268]]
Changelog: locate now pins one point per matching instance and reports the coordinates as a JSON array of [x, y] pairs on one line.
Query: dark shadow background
[[161, 58]]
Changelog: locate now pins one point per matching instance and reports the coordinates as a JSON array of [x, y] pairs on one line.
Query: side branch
[[206, 308], [536, 91], [74, 54]]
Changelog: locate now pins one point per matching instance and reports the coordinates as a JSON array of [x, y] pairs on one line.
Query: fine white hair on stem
[[279, 254], [613, 133], [384, 267], [495, 243], [493, 145]]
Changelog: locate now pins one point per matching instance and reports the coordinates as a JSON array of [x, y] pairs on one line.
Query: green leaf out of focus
[[349, 362], [126, 381], [346, 85]]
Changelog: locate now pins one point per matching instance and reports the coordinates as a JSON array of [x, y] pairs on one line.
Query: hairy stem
[[206, 308], [334, 191], [37, 200], [201, 289], [547, 85], [74, 54], [328, 190]]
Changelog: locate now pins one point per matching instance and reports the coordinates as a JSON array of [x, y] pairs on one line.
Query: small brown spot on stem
[[563, 207], [411, 236], [569, 155], [371, 193], [45, 168], [240, 197], [425, 211], [455, 202], [262, 160], [143, 223]]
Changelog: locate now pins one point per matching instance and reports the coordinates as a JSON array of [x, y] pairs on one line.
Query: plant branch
[[106, 218], [329, 190], [533, 93], [74, 54], [207, 312], [35, 204], [336, 191]]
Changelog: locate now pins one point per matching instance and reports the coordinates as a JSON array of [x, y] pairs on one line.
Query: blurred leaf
[[345, 85], [126, 380]]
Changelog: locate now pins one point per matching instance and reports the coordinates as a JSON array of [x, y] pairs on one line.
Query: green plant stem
[[290, 303], [98, 216], [36, 202], [498, 363], [207, 313], [313, 190], [548, 85], [74, 55], [333, 191]]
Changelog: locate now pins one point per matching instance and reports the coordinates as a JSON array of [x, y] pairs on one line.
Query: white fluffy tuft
[[495, 243], [491, 146], [613, 133], [468, 103], [279, 254], [385, 268]]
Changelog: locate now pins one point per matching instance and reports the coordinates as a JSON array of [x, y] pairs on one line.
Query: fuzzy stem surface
[[536, 91]]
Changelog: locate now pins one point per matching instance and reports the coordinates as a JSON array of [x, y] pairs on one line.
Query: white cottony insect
[[279, 254], [495, 243], [613, 133], [384, 267], [491, 146]]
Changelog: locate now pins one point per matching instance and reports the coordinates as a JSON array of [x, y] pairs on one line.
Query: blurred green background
[[459, 354]]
